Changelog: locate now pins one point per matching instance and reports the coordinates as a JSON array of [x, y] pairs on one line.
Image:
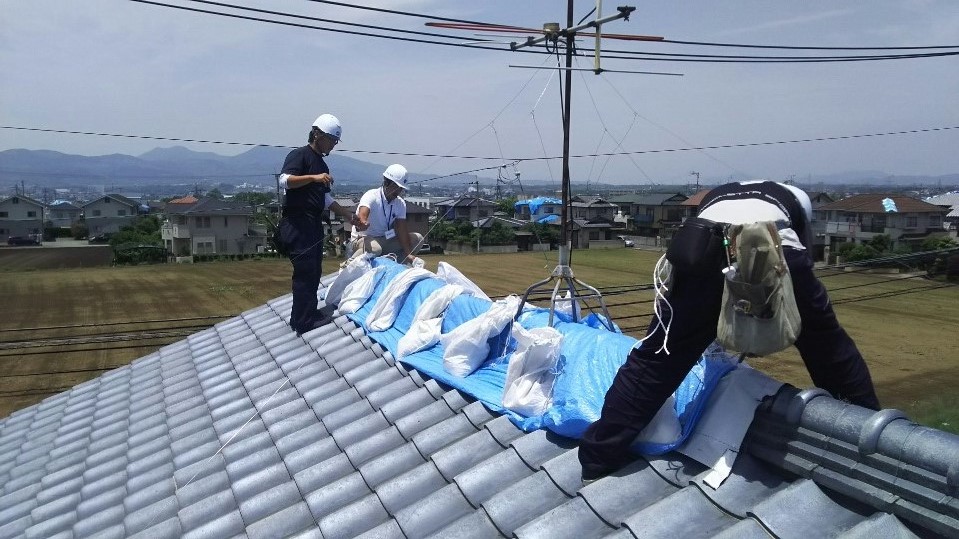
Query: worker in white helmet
[[307, 181], [381, 226]]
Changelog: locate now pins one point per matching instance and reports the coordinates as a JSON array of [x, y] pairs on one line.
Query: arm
[[362, 218], [290, 181], [343, 213]]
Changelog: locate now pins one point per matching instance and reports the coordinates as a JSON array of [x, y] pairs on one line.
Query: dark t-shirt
[[312, 196]]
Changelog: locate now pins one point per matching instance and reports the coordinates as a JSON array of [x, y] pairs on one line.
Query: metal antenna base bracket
[[578, 292]]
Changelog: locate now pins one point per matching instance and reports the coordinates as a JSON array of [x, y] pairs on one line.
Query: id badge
[[390, 234]]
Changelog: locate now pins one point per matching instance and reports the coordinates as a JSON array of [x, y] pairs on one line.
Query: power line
[[631, 55], [517, 159]]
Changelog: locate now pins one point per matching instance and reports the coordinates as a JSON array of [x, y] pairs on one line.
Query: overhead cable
[[500, 158]]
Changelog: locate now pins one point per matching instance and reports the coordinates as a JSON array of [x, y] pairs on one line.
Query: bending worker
[[651, 374], [307, 181], [381, 219]]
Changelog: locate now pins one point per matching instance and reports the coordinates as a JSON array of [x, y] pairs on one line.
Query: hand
[[323, 178]]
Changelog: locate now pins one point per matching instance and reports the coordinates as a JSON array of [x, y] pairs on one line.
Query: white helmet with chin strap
[[329, 124]]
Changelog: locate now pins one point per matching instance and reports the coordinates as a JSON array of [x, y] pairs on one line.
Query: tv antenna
[[562, 276]]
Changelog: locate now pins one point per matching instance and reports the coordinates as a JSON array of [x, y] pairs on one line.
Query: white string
[[286, 380], [660, 279]]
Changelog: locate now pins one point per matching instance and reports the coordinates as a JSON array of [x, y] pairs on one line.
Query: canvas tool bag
[[759, 315]]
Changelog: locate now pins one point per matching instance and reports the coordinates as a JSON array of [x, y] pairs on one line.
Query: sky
[[128, 68]]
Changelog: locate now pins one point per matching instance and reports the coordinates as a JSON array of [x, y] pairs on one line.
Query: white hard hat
[[397, 174], [329, 124]]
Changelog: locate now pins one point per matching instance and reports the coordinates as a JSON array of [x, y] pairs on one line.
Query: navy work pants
[[649, 377], [303, 234]]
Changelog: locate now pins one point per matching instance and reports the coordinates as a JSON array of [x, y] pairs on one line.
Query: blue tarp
[[535, 203], [552, 218], [590, 357]]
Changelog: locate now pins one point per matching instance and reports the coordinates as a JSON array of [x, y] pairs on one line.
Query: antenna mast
[[563, 273]]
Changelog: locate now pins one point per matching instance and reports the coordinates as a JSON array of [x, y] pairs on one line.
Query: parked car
[[22, 240], [100, 238], [425, 248]]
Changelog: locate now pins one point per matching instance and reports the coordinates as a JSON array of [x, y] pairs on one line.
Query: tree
[[254, 199], [543, 233], [215, 193], [145, 230], [507, 205], [79, 230]]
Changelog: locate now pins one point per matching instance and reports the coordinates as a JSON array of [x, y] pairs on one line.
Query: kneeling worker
[[651, 373], [381, 219]]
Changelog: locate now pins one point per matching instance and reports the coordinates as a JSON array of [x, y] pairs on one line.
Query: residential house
[[63, 213], [654, 214], [210, 226], [592, 209], [539, 209], [20, 216], [949, 201], [246, 429], [465, 208], [906, 220], [109, 213]]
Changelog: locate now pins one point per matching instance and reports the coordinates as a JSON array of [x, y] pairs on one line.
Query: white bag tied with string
[[427, 323], [359, 291], [352, 270], [532, 370], [466, 347], [384, 311], [448, 273]]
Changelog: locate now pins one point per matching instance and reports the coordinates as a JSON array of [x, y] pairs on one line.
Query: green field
[[61, 327]]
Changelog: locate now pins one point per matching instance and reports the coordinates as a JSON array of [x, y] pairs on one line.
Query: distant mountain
[[165, 166]]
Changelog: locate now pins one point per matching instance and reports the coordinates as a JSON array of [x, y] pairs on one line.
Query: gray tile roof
[[247, 430]]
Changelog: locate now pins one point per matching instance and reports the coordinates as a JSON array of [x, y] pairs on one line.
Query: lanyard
[[389, 220]]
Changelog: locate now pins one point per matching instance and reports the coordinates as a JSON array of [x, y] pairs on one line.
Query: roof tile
[[385, 467], [573, 519], [433, 512], [483, 481], [524, 501], [336, 495], [270, 501], [354, 519], [285, 523], [407, 488]]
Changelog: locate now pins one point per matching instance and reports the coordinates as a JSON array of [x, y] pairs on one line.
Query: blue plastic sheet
[[590, 357]]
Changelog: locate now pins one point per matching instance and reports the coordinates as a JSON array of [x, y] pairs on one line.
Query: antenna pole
[[576, 290]]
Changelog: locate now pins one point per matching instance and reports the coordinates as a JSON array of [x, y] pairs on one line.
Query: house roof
[[947, 200], [189, 199], [872, 203], [64, 205], [119, 198], [24, 198], [652, 199], [697, 198], [465, 202], [210, 206], [487, 222], [247, 429]]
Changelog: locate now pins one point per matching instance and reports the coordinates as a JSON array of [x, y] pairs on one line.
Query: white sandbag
[[351, 271], [359, 291], [532, 370], [422, 335], [568, 305], [384, 311], [465, 348], [437, 302], [448, 273], [664, 428]]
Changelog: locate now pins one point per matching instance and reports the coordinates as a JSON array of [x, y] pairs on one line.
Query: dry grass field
[[61, 327]]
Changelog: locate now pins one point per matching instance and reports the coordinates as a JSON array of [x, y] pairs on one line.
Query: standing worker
[[651, 373], [381, 219], [307, 181]]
